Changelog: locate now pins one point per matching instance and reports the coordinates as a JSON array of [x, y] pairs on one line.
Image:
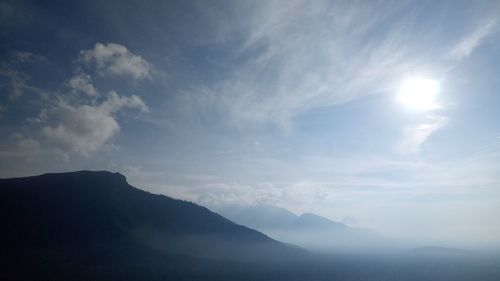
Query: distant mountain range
[[74, 219], [307, 230]]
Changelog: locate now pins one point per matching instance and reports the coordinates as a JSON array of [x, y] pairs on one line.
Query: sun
[[419, 94]]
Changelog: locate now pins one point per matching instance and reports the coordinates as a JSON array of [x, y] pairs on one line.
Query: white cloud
[[84, 129], [473, 40], [76, 124], [115, 59], [415, 136], [82, 83], [116, 102]]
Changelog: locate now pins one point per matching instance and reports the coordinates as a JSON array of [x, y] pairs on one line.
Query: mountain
[[308, 230], [85, 217], [95, 226]]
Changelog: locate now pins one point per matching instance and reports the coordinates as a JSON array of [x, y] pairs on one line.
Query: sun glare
[[418, 93]]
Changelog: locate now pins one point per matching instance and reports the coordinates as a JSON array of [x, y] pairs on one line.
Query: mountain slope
[[100, 210]]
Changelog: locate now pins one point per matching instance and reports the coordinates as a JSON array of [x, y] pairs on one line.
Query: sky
[[290, 103]]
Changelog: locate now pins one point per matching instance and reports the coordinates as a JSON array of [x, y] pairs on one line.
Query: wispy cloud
[[415, 136], [300, 55], [18, 82], [471, 41]]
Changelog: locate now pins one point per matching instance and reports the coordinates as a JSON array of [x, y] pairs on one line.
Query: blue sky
[[291, 103]]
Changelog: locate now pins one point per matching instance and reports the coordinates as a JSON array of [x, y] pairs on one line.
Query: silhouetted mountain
[[308, 230], [86, 215]]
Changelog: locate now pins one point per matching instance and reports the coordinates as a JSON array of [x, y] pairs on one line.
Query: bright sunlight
[[418, 93]]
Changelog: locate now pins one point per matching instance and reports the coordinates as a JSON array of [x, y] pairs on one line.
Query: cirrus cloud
[[415, 136], [471, 41]]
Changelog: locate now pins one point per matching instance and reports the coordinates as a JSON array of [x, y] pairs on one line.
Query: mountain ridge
[[308, 230]]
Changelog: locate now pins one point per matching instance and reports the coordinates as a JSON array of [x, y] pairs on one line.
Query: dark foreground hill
[[97, 217], [95, 226]]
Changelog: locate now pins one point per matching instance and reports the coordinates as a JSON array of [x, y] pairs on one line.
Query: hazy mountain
[[310, 231], [258, 216]]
